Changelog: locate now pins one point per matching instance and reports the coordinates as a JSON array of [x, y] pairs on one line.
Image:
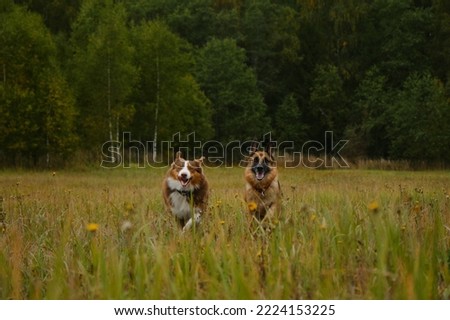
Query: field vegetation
[[343, 234], [77, 74]]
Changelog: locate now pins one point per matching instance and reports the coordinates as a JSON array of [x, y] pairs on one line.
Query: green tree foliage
[[420, 128], [58, 15], [272, 43], [395, 38], [238, 107], [439, 47], [36, 104], [328, 99], [103, 72], [368, 131], [196, 21], [227, 69], [199, 20], [289, 123], [168, 97]]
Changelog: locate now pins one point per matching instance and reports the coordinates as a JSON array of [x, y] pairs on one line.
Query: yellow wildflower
[[129, 208], [92, 227], [373, 206], [252, 206]]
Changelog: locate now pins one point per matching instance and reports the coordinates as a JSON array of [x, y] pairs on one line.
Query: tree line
[[75, 74]]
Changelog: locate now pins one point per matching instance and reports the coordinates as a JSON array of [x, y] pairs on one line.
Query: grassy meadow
[[343, 234]]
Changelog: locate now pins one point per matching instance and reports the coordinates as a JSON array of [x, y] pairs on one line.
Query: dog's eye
[[256, 160]]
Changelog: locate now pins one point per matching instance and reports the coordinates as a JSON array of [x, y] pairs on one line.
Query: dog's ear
[[198, 164], [270, 150], [252, 149], [200, 161], [178, 157]]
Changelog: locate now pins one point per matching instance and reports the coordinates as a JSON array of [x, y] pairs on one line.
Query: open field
[[343, 234]]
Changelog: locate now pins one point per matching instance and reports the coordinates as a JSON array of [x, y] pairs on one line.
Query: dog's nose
[[184, 175]]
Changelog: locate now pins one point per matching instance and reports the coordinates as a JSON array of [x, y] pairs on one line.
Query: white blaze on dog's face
[[185, 190], [184, 175]]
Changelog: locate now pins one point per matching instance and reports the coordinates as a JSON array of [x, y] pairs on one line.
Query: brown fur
[[180, 199], [262, 196]]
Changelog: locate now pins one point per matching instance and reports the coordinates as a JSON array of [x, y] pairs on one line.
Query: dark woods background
[[74, 74]]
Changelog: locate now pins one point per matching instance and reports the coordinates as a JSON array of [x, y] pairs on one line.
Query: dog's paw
[[197, 218]]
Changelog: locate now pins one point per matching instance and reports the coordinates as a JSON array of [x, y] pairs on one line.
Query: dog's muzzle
[[259, 172], [184, 179]]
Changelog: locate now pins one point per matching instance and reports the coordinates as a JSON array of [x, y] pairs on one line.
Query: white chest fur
[[180, 205]]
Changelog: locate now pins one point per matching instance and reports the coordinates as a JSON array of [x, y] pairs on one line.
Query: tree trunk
[[155, 135], [109, 106]]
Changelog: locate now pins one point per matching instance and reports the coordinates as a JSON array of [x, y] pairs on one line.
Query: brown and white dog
[[262, 190], [185, 191]]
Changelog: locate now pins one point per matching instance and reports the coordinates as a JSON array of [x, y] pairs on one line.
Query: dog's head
[[188, 173], [261, 163]]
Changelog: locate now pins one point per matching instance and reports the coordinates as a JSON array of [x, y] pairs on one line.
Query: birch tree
[[104, 73], [168, 98]]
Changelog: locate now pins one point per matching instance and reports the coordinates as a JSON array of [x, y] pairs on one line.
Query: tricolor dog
[[185, 191], [262, 190]]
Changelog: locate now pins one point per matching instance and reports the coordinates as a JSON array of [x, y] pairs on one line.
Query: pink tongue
[[259, 175]]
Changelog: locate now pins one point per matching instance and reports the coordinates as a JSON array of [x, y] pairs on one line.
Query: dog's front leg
[[197, 218]]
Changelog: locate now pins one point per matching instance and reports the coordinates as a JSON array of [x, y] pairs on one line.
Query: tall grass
[[341, 235]]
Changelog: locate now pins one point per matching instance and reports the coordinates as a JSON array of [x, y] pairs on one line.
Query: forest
[[75, 74]]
